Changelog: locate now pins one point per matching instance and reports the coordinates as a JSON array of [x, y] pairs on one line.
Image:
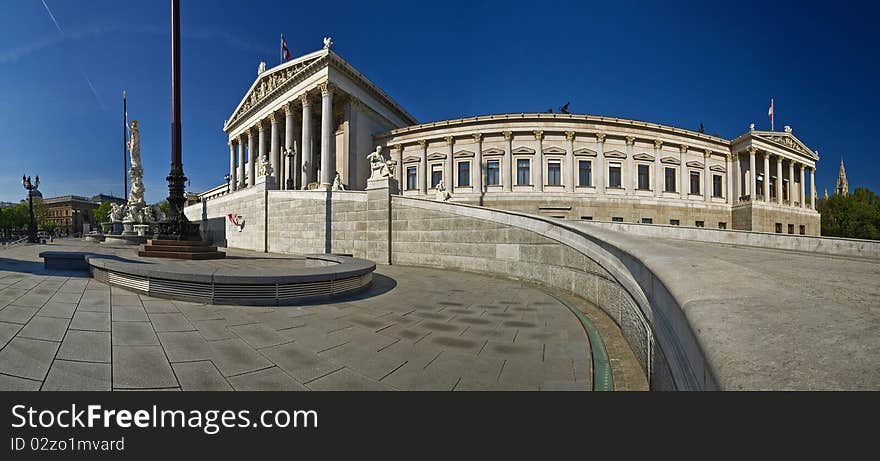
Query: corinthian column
[[289, 140], [507, 167], [423, 166], [629, 174], [803, 195], [275, 157], [252, 156], [729, 169], [539, 162], [766, 177], [707, 176], [753, 178], [240, 177], [447, 166], [399, 173], [328, 159], [600, 163], [791, 183], [813, 187], [658, 167], [307, 166], [685, 175], [264, 145], [778, 180], [232, 181], [478, 162], [571, 179]]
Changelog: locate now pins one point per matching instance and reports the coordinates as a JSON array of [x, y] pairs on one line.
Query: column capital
[[707, 153], [399, 147], [478, 137], [753, 150], [326, 88], [240, 138], [683, 148], [423, 143], [630, 140], [507, 135], [288, 109], [273, 118], [570, 135], [304, 99], [449, 140], [600, 137], [539, 134], [261, 126], [658, 144]]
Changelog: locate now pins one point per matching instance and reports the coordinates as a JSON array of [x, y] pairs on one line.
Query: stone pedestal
[[384, 183], [118, 228], [128, 229], [141, 229], [269, 181]]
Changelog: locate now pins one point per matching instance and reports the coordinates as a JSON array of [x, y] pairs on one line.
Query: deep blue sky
[[678, 64]]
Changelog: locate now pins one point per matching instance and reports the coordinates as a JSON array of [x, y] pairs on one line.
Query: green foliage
[[102, 213], [852, 216], [163, 205]]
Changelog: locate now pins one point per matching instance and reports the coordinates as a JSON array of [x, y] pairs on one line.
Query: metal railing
[[14, 242]]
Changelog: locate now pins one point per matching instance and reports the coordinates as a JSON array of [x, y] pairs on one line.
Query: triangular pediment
[[493, 151], [585, 152], [437, 156], [644, 157], [718, 168], [523, 150], [554, 150], [463, 153], [266, 83], [615, 154], [670, 161], [787, 140], [410, 159], [694, 164]]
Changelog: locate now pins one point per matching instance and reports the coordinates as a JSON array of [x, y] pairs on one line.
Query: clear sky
[[682, 64]]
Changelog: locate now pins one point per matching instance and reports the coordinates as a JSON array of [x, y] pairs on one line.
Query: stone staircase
[[180, 249]]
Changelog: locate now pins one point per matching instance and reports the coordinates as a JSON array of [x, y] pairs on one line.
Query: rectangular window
[[616, 219], [722, 225], [779, 228], [436, 175], [700, 224], [644, 177], [585, 173], [647, 220], [493, 173], [716, 185], [464, 174], [412, 178], [695, 183], [803, 229], [614, 180], [791, 228], [674, 222], [670, 180], [523, 173], [554, 173]]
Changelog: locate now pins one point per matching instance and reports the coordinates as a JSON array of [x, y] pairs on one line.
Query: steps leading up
[[179, 249]]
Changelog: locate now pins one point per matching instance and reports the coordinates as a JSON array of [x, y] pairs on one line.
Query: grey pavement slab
[[234, 357], [301, 363], [141, 367], [170, 322], [270, 379], [78, 376], [86, 346], [185, 346], [57, 309], [134, 334], [7, 332], [258, 335], [92, 321], [27, 358], [200, 376], [128, 313], [48, 328], [14, 383], [17, 314], [160, 307], [347, 380]]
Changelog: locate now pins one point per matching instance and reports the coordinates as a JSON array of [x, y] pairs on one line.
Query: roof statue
[[328, 42]]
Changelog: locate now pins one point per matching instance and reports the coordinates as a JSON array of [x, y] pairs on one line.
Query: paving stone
[[86, 346], [48, 328], [124, 300], [134, 334], [214, 330], [93, 321], [141, 367], [417, 378], [234, 357], [78, 376], [17, 314], [258, 335], [365, 361], [347, 380], [27, 358], [200, 376], [299, 362], [14, 383], [159, 307], [7, 332], [56, 309], [186, 346], [515, 351], [171, 322], [127, 313], [66, 297], [270, 379]]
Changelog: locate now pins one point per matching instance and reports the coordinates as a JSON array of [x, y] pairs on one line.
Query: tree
[[102, 213], [851, 216]]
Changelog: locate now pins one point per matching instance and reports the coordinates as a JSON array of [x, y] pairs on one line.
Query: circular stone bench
[[65, 260], [224, 284]]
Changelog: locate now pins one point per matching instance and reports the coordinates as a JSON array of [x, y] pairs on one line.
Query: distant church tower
[[842, 187]]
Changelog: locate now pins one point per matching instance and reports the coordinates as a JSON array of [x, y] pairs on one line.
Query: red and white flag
[[285, 53], [770, 114]]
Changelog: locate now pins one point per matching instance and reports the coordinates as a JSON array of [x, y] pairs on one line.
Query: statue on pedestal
[[443, 195], [380, 167], [337, 183], [136, 211]]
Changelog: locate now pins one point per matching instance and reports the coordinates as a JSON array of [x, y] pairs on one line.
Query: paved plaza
[[415, 329]]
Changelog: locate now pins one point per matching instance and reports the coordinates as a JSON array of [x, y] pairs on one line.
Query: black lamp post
[[176, 226], [31, 187]]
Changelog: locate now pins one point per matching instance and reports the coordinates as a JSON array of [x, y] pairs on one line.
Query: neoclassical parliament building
[[315, 117]]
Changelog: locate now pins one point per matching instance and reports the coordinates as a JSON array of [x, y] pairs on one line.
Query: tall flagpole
[[281, 51], [124, 148]]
